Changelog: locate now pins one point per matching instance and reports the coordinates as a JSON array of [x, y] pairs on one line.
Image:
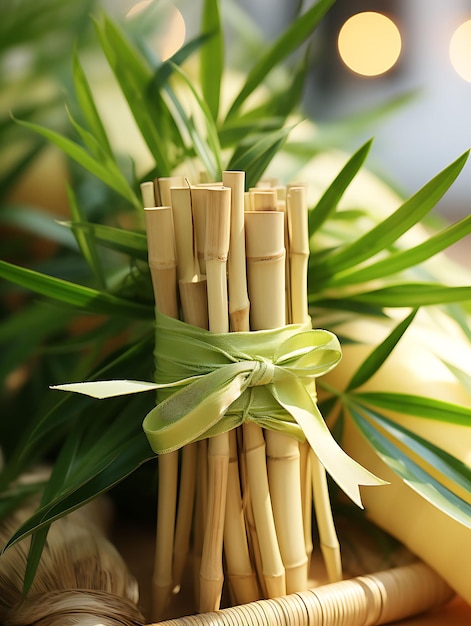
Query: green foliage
[[183, 122]]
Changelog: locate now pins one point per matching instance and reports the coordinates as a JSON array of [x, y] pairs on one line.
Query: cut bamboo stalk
[[239, 568], [266, 255], [239, 306], [306, 497], [186, 501], [147, 193], [265, 263], [192, 286], [201, 511], [193, 298], [187, 266], [299, 254], [162, 263], [264, 200], [216, 252], [164, 184], [273, 570], [240, 573], [272, 574], [199, 201]]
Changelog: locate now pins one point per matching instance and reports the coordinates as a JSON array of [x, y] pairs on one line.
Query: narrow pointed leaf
[[291, 39], [404, 259], [87, 105], [418, 406], [255, 158], [413, 294], [212, 56], [112, 178], [86, 298], [327, 204], [126, 241], [412, 474], [379, 355], [389, 230], [85, 240]]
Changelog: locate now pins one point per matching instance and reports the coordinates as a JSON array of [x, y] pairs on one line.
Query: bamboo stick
[[163, 186], [240, 572], [273, 570], [370, 600], [148, 195], [161, 256], [191, 284], [239, 305], [215, 252], [162, 263], [193, 298], [267, 259], [299, 254], [199, 201]]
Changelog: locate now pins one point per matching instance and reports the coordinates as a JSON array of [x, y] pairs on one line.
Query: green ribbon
[[209, 383]]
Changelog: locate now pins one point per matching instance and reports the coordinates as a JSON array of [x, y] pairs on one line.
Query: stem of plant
[[162, 263], [216, 251]]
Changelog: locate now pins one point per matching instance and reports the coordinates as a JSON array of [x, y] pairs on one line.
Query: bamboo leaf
[[389, 230], [128, 457], [298, 31], [212, 56], [85, 240], [48, 427], [403, 259], [207, 149], [35, 220], [134, 77], [255, 157], [72, 294], [128, 242], [379, 355], [327, 204], [413, 294], [88, 107], [418, 406], [110, 176], [166, 69], [421, 481], [463, 377]]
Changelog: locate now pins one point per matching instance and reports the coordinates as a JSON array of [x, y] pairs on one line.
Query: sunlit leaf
[[212, 56], [383, 235], [403, 259], [88, 107], [413, 294], [421, 481], [328, 202], [418, 406], [379, 354], [296, 33]]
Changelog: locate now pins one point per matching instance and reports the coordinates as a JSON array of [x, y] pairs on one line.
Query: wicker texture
[[362, 601]]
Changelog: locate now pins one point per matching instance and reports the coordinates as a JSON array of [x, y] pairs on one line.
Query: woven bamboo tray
[[412, 593]]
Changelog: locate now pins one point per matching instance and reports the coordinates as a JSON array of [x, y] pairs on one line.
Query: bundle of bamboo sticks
[[244, 497]]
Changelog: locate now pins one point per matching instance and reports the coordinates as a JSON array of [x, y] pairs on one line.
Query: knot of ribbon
[[262, 374], [209, 383]]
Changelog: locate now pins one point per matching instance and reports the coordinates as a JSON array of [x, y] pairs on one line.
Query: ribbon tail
[[346, 472], [107, 388]]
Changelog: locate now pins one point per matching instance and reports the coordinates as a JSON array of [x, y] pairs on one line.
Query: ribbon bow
[[209, 383]]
